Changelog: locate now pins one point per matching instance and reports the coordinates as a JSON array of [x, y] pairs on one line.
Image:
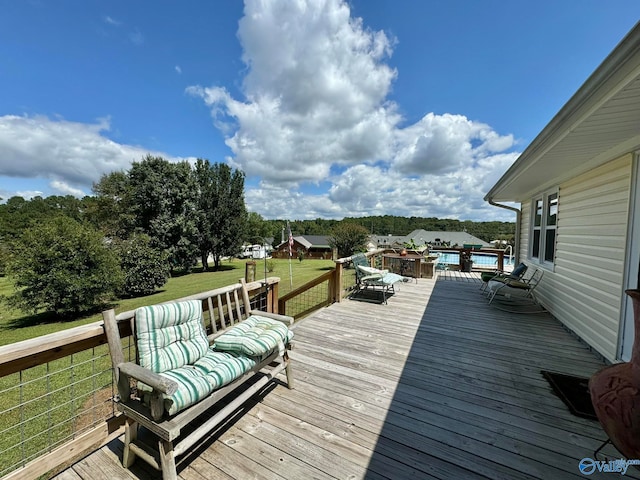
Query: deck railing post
[[273, 302], [337, 282]]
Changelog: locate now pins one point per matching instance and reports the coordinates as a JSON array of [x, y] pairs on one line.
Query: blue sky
[[332, 109]]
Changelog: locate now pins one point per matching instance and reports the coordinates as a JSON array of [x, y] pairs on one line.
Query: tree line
[[392, 225], [68, 255]]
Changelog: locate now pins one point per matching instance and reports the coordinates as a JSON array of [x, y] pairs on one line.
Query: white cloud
[[315, 101], [314, 111], [66, 189], [70, 155], [314, 93]]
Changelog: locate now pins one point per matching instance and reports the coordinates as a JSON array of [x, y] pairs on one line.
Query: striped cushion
[[195, 382], [255, 337], [170, 335]]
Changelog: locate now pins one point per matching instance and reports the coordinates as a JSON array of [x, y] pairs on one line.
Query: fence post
[[274, 297], [337, 282]]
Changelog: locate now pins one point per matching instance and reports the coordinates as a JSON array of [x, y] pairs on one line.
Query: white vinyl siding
[[585, 289]]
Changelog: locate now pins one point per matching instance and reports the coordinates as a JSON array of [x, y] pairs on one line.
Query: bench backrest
[[221, 309]]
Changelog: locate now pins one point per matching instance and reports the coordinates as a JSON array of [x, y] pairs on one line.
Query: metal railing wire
[[44, 407]]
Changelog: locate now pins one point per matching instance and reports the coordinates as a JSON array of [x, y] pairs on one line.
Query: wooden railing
[[328, 288], [56, 391]]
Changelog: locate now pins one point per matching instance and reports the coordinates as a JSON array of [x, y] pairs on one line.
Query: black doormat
[[573, 391], [370, 295]]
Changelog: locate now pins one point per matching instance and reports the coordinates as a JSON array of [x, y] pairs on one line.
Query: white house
[[579, 203]]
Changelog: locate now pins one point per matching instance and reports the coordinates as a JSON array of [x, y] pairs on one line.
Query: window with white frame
[[544, 222]]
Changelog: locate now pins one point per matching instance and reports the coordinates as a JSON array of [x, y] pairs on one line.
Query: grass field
[[16, 325]]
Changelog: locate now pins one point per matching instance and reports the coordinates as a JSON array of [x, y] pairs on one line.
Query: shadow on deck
[[436, 384]]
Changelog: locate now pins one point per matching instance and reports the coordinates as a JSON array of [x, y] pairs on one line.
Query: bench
[[189, 354]]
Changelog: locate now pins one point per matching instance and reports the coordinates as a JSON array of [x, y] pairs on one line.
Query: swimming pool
[[482, 260]]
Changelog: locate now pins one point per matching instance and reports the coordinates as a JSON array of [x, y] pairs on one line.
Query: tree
[[348, 238], [62, 266], [222, 214], [256, 229], [163, 199], [111, 210], [144, 267]]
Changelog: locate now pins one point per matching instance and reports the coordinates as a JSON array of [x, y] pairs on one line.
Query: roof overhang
[[599, 123]]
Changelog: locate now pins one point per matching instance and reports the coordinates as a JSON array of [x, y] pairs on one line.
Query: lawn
[[16, 325]]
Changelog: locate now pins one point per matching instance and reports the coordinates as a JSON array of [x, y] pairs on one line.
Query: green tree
[[62, 266], [144, 267], [222, 214], [348, 238], [163, 199], [111, 207], [256, 229]]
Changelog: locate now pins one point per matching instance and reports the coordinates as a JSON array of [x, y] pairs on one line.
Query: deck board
[[435, 384]]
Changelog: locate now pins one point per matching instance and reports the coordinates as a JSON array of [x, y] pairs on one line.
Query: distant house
[[312, 247], [577, 193], [423, 237]]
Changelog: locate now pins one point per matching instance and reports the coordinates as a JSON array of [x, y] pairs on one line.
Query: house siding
[[584, 290]]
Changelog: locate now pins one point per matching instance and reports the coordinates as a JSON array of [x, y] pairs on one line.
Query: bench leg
[[288, 371], [130, 436], [167, 460]]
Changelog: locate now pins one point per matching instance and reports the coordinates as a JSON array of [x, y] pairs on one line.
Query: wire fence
[[46, 406]]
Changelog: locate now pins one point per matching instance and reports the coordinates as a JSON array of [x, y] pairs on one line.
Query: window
[[544, 222]]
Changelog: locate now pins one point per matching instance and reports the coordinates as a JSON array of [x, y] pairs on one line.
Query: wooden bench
[[147, 397]]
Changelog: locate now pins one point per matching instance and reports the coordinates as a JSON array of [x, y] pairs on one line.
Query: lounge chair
[[516, 274], [368, 277], [510, 290]]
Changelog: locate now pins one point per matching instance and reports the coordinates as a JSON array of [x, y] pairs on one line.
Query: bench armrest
[[148, 377], [286, 319]]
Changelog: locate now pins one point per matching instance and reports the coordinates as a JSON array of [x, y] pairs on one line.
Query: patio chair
[[520, 291], [368, 277], [516, 274]]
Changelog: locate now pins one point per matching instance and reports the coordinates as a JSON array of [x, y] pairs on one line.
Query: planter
[[467, 265], [615, 394]]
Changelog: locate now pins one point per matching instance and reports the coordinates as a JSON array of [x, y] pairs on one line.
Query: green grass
[[16, 325]]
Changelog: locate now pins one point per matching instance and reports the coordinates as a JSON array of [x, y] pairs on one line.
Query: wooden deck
[[435, 384]]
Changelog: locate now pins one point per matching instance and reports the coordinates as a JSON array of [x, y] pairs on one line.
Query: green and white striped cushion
[[255, 337], [170, 335], [195, 382]]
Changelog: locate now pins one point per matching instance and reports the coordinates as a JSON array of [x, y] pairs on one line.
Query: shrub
[[144, 267], [62, 266]]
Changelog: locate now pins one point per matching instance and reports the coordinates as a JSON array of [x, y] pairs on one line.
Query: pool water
[[483, 260]]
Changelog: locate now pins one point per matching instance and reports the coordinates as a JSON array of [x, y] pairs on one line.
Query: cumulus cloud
[[313, 127], [70, 155], [315, 102], [446, 143], [314, 93], [66, 189]]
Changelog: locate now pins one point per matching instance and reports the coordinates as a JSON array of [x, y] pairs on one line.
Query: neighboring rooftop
[[434, 237]]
